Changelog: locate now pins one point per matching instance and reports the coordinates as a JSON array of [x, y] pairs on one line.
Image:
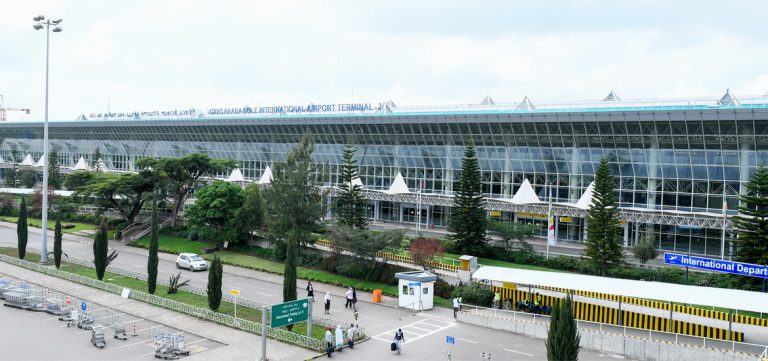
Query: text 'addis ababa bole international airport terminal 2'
[[675, 161]]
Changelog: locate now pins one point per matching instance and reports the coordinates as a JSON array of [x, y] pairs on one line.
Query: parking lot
[[30, 335]]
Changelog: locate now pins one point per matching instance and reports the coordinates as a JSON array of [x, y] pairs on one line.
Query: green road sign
[[289, 313]]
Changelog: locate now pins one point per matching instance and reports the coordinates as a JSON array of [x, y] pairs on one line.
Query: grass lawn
[[162, 291], [36, 222], [171, 244]]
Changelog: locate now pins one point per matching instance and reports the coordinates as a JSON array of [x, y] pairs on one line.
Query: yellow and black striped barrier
[[603, 314], [696, 311], [398, 257]]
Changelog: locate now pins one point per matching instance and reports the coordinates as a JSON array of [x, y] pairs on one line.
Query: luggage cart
[[85, 320], [97, 336], [120, 331]]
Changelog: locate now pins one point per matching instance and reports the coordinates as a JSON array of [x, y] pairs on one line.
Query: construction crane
[[3, 109]]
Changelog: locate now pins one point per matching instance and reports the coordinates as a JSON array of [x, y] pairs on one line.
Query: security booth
[[416, 289], [467, 266]]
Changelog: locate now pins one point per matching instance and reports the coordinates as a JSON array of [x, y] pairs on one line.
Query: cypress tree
[[289, 275], [752, 222], [603, 244], [351, 206], [21, 229], [57, 242], [467, 223], [152, 261], [101, 256], [214, 284], [563, 336]]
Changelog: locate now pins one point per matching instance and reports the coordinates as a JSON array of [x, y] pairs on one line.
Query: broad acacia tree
[[126, 193]]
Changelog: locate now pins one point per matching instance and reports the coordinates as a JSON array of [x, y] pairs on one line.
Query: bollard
[[134, 334]]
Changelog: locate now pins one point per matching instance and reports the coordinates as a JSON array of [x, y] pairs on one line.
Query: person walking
[[339, 338], [310, 291], [329, 341], [354, 298], [356, 314], [327, 303], [399, 340], [349, 298], [456, 306], [351, 336]]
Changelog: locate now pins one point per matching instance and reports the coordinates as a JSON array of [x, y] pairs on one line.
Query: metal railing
[[146, 231], [200, 313], [625, 331]]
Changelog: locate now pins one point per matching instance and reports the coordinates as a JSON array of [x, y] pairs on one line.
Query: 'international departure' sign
[[709, 264]]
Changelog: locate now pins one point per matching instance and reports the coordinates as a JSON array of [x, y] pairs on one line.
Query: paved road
[[425, 332]]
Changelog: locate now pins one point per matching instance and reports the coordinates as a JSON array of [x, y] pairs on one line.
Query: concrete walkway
[[239, 345]]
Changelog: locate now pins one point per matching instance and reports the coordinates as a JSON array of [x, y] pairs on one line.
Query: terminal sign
[[289, 313], [709, 264]]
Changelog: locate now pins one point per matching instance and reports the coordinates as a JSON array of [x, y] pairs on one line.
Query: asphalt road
[[424, 332]]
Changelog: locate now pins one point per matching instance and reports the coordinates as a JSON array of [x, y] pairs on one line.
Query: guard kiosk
[[416, 290], [467, 266]]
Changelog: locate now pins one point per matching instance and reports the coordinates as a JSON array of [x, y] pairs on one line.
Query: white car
[[191, 262]]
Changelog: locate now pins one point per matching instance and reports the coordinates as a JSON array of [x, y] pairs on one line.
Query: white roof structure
[[28, 161], [398, 186], [728, 100], [266, 178], [586, 198], [525, 105], [612, 97], [40, 162], [487, 101], [236, 176], [30, 191], [525, 194], [709, 296], [81, 165]]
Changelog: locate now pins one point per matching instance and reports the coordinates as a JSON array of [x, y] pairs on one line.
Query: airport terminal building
[[675, 161]]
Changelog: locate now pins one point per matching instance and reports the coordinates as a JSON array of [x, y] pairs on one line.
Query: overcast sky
[[161, 55]]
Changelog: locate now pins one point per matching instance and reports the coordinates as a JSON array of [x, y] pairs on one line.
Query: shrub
[[474, 294], [443, 289]]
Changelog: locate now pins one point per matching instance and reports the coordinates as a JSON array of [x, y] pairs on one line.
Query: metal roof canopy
[[708, 296]]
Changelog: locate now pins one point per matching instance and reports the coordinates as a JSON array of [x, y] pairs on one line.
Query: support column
[[653, 164], [637, 233], [400, 214], [626, 234], [574, 179], [584, 233], [376, 211]]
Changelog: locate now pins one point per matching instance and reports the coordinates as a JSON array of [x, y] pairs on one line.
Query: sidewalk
[[239, 345]]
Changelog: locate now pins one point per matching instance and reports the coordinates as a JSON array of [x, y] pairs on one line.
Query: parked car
[[191, 262]]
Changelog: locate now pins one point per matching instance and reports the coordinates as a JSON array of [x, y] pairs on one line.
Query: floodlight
[[57, 29], [37, 26], [58, 21], [38, 18]]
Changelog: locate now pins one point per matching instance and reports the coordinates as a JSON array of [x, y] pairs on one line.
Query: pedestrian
[[349, 298], [310, 291], [339, 338], [399, 340], [327, 303], [497, 300], [329, 341], [355, 313], [354, 298], [456, 306], [351, 336]]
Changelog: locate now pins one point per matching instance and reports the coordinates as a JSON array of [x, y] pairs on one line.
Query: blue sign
[[709, 264], [449, 340], [83, 306], [414, 284]]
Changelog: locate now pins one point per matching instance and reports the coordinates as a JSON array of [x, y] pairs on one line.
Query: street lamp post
[[40, 23]]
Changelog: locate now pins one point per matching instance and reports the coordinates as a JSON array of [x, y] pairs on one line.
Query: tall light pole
[[40, 23]]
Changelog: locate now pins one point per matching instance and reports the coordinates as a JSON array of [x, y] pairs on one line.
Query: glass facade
[[680, 159]]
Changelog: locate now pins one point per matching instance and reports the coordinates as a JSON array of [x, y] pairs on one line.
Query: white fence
[[202, 313]]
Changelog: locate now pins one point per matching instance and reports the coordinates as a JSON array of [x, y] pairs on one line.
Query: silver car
[[191, 262]]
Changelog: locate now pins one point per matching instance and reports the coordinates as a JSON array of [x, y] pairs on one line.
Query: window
[[405, 289], [426, 290]]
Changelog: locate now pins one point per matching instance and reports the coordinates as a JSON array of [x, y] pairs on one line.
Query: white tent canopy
[[81, 165], [40, 162], [709, 296], [586, 199], [236, 176], [266, 178], [398, 186], [28, 161], [525, 194]]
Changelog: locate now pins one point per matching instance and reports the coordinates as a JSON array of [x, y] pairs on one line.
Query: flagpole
[[550, 221], [725, 219]]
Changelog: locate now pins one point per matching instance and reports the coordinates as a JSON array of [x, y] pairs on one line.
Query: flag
[[551, 223]]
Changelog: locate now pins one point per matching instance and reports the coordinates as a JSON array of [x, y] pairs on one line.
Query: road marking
[[522, 353], [163, 271], [265, 294], [134, 344], [419, 328], [411, 338], [470, 341], [188, 343]]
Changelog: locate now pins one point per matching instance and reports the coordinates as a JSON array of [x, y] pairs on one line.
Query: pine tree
[[563, 337], [351, 206], [95, 160], [57, 242], [101, 256], [603, 244], [12, 174], [467, 223], [21, 229], [152, 261], [55, 179], [752, 222], [214, 284]]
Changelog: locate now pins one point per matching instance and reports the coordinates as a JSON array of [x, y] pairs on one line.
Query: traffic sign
[[68, 300], [83, 306], [234, 292], [449, 340], [289, 313]]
